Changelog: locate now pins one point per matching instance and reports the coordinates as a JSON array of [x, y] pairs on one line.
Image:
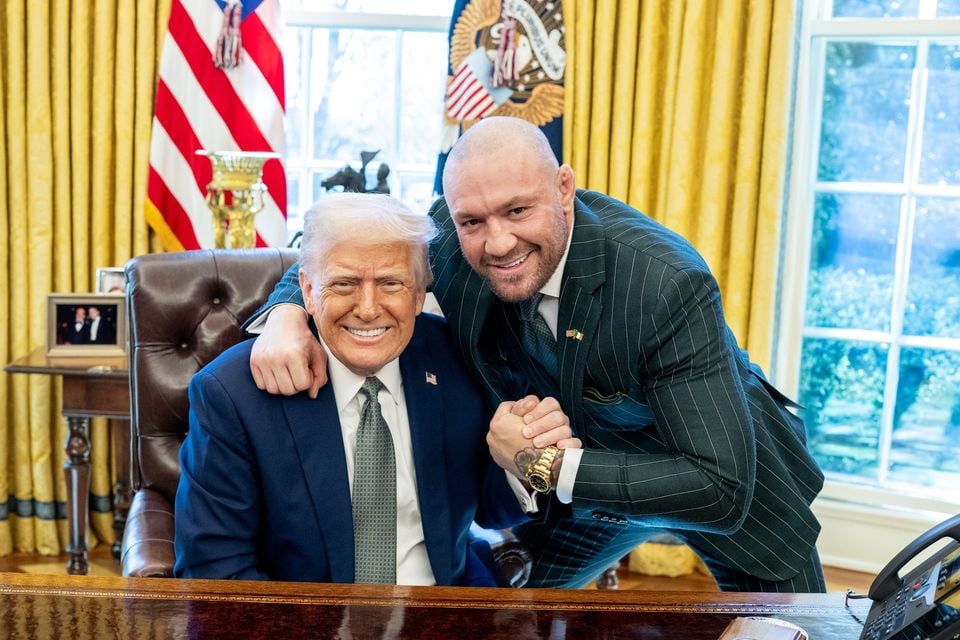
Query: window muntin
[[363, 75], [875, 351]]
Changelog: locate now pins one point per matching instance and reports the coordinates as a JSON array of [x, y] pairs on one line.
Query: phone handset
[[888, 580]]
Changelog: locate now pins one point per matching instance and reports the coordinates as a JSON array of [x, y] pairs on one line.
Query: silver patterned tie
[[374, 494], [538, 341]]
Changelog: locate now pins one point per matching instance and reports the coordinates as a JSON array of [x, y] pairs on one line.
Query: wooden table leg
[[77, 472], [122, 495]]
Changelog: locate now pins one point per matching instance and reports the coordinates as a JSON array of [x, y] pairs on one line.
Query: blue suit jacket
[[264, 493]]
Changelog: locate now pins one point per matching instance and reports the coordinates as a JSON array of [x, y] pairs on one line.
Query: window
[[364, 75], [870, 325]]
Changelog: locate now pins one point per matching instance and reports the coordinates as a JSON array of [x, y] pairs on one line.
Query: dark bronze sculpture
[[355, 181]]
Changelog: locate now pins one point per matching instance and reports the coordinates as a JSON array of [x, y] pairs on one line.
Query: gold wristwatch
[[540, 473]]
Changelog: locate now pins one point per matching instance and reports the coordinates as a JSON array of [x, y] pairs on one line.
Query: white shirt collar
[[346, 384], [554, 283]]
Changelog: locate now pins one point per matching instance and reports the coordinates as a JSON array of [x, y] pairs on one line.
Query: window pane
[[933, 294], [948, 8], [940, 162], [926, 430], [293, 194], [841, 390], [875, 8], [295, 77], [852, 261], [416, 191], [415, 7], [866, 104], [354, 83], [421, 103]]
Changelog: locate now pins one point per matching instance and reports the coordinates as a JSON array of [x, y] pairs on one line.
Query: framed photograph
[[110, 280], [91, 324]]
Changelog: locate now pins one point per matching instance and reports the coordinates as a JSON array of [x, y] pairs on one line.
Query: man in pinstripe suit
[[681, 432]]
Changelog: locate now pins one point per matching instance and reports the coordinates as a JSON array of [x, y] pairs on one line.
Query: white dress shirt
[[94, 328], [413, 564]]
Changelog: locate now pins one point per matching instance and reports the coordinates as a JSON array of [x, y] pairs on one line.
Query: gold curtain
[[680, 108], [76, 102]]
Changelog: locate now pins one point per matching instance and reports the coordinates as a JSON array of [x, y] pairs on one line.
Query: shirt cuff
[[568, 474], [526, 497], [255, 328]]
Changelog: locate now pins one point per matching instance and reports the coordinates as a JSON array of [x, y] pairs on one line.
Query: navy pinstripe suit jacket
[[681, 431]]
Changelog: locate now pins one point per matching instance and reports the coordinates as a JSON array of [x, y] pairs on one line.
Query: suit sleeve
[[218, 504], [498, 506], [287, 291], [704, 481]]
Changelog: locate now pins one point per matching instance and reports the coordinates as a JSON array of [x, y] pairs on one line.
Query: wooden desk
[[92, 388], [87, 607]]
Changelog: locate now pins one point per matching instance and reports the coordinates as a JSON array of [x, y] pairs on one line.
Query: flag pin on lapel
[[431, 378], [576, 334]]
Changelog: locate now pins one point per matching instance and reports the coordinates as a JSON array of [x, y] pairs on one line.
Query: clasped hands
[[520, 430]]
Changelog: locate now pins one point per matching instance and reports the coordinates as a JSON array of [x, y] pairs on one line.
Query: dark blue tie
[[538, 341]]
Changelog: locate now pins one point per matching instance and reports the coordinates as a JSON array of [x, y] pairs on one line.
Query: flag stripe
[[177, 219], [214, 82], [264, 52], [201, 106], [197, 107], [251, 93], [175, 171], [174, 121]]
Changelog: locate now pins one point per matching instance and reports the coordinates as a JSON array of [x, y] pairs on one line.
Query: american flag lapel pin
[[431, 378], [576, 334]]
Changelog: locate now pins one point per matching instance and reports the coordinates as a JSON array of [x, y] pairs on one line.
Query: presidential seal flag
[[507, 58], [220, 88]]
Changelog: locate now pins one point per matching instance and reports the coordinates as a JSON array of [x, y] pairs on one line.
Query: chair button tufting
[[183, 345], [216, 301]]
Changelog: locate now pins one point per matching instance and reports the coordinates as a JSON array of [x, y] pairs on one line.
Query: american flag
[[202, 106], [468, 96]]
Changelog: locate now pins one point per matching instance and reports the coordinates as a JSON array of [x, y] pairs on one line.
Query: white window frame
[[863, 526], [399, 23]]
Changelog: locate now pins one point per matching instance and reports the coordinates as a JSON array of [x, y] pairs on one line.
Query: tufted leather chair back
[[185, 309]]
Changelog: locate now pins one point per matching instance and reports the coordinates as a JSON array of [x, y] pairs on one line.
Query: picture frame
[[86, 324], [111, 280]]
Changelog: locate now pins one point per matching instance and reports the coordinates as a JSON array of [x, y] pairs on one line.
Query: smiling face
[[513, 212], [365, 299]]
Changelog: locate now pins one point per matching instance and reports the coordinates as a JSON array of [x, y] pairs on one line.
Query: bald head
[[496, 135]]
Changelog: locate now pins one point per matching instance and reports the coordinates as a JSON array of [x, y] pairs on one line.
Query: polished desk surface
[[37, 361], [33, 606]]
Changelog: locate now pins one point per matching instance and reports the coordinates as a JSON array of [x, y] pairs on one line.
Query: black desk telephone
[[924, 604]]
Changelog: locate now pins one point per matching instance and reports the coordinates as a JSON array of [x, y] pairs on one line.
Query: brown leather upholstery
[[184, 309]]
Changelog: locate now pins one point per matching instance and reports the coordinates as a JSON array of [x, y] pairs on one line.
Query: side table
[[93, 387]]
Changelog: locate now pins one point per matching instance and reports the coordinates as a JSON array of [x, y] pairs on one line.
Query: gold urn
[[235, 195]]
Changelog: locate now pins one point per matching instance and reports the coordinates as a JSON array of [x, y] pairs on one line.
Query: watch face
[[539, 483]]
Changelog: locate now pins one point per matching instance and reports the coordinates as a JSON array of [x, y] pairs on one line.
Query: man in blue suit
[[379, 478], [572, 295]]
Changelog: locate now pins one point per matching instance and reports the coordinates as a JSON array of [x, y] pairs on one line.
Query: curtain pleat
[[77, 83], [679, 108]]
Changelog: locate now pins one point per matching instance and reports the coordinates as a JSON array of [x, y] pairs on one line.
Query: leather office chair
[[184, 309]]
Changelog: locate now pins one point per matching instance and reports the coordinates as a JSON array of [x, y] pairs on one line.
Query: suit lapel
[[315, 425], [580, 308], [424, 406]]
